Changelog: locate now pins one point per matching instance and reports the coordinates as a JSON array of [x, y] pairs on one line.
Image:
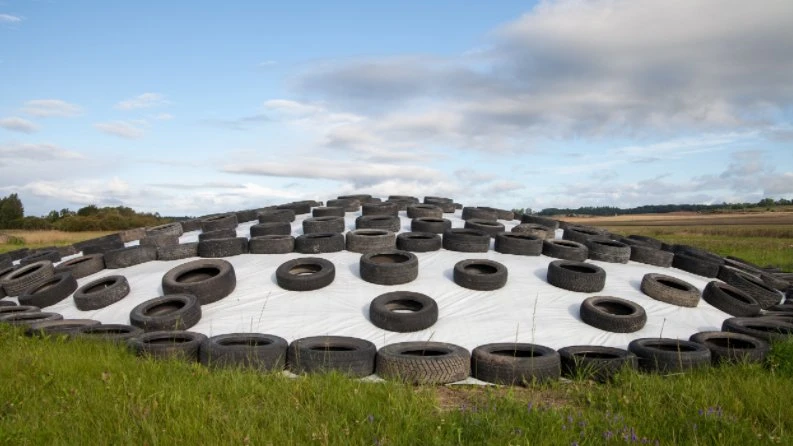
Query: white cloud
[[50, 107], [14, 152], [16, 124], [145, 100], [8, 18], [162, 117], [267, 63], [122, 129]]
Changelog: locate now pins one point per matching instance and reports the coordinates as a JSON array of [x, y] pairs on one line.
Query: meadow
[[65, 391]]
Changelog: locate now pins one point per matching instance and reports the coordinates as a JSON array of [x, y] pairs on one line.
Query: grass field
[[11, 239], [57, 391], [761, 238]]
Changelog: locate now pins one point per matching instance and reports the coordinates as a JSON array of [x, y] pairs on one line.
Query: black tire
[[322, 354], [101, 293], [6, 303], [18, 254], [119, 333], [159, 240], [595, 362], [262, 352], [82, 266], [539, 231], [126, 257], [207, 279], [764, 294], [386, 208], [169, 312], [276, 215], [166, 229], [613, 314], [670, 289], [480, 274], [649, 241], [418, 241], [102, 248], [430, 224], [27, 277], [323, 224], [470, 213], [766, 328], [730, 300], [25, 319], [424, 210], [491, 227], [544, 221], [515, 363], [446, 204], [423, 362], [59, 327], [370, 240], [214, 235], [387, 222], [669, 355], [271, 228], [348, 204], [191, 225], [217, 222], [178, 252], [651, 256], [360, 197], [271, 244], [300, 207], [55, 289], [501, 214], [694, 264], [565, 249], [387, 311], [182, 345], [518, 243], [466, 240], [51, 255], [582, 234], [329, 211], [8, 309], [697, 252], [608, 251], [389, 267], [246, 215], [223, 247], [320, 242], [731, 347], [576, 276], [305, 274]]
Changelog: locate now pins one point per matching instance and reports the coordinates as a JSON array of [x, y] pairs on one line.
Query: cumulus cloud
[[14, 152], [50, 107], [122, 129], [145, 100], [241, 123], [8, 18], [357, 173], [16, 124], [571, 68]]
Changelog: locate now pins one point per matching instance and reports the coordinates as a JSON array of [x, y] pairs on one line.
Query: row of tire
[[421, 362]]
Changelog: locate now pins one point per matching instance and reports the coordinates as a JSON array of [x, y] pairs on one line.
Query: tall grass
[[760, 244], [57, 391], [15, 239]]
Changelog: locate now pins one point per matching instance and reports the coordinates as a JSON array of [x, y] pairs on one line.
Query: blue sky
[[187, 108]]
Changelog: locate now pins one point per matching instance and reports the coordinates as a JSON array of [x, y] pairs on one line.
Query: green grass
[[12, 239], [56, 391], [759, 244]]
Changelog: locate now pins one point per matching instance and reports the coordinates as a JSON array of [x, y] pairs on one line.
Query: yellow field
[[14, 239]]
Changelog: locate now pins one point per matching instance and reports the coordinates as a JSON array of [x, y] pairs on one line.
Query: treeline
[[88, 218], [665, 208]]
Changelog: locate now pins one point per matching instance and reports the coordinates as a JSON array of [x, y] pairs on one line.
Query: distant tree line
[[659, 208], [88, 218]]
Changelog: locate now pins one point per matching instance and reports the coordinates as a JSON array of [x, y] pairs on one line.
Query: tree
[[11, 210], [87, 211]]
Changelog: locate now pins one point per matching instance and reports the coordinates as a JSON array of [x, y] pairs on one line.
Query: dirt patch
[[464, 397]]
